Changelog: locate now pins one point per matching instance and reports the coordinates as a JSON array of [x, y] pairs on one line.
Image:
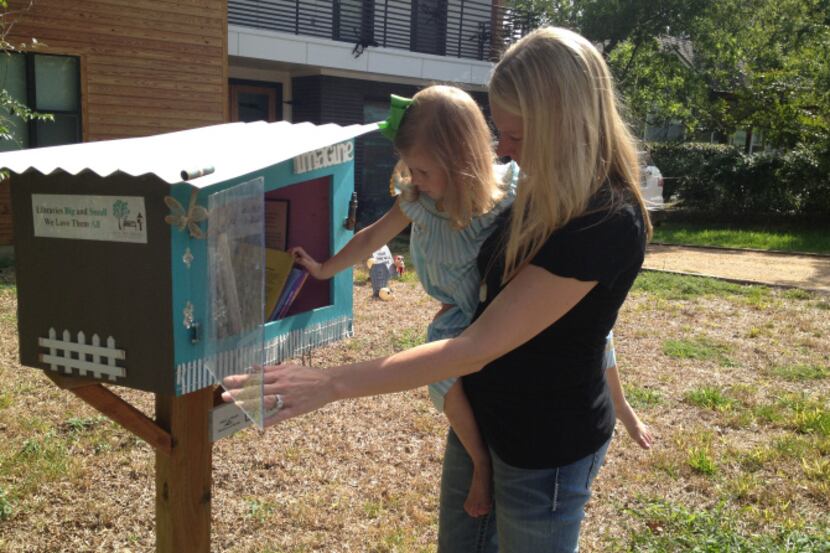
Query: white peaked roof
[[230, 149]]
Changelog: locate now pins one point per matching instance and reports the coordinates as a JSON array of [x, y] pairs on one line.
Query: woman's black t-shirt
[[546, 403]]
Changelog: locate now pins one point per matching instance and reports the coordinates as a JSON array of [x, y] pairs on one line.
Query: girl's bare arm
[[359, 248]]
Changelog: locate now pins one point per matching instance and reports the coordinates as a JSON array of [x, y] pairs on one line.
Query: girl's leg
[[638, 431], [458, 411], [542, 510], [458, 532]]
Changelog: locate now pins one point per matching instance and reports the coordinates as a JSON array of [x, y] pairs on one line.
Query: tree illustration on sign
[[120, 210]]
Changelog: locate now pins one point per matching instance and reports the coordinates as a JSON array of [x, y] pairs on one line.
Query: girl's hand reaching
[[313, 267]]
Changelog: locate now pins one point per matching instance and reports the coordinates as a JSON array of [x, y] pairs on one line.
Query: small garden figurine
[[400, 266], [381, 267]]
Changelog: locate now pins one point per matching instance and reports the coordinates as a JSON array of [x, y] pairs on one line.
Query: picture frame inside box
[[277, 213]]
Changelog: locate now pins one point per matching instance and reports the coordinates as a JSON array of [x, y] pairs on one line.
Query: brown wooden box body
[[110, 289]]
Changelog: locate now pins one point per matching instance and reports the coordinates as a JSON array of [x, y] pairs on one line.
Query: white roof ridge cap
[[227, 147]]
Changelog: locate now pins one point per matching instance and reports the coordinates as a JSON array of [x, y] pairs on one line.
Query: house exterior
[[118, 68], [114, 69], [338, 61]]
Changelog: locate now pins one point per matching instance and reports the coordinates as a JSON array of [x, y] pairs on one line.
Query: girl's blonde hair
[[446, 124], [573, 141]]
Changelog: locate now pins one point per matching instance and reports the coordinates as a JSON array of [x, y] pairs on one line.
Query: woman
[[554, 274]]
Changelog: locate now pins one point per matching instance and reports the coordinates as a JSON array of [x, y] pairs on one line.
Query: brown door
[[255, 101]]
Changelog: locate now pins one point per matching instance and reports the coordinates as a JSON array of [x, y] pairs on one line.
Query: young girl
[[451, 193]]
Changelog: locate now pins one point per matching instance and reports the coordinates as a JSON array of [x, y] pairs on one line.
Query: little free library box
[[141, 262]]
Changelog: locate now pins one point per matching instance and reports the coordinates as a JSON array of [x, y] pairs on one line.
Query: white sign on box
[[108, 218]]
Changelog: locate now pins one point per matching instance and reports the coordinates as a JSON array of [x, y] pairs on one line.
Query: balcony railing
[[474, 29]]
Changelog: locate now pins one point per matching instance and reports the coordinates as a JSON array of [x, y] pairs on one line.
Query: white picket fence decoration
[[88, 359]]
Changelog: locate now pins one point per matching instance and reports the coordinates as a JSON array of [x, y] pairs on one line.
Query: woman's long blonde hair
[[574, 139], [445, 123]]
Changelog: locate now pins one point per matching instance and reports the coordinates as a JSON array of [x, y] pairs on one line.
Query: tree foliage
[[715, 65], [763, 63]]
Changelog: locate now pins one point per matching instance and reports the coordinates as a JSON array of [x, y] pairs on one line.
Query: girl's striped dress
[[445, 260]]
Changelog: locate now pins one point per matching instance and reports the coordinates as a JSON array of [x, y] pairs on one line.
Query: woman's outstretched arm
[[532, 301]]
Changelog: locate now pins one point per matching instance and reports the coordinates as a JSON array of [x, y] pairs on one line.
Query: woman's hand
[[300, 389], [313, 267]]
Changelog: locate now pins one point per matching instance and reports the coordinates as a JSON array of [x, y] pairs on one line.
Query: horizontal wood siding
[[147, 66]]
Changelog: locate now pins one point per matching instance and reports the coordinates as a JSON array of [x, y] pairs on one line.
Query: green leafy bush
[[720, 180], [805, 165]]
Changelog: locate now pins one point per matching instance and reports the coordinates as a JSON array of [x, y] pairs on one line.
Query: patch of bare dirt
[[802, 271]]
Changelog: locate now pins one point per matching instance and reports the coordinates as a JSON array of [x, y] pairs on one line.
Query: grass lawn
[[733, 380], [774, 238]]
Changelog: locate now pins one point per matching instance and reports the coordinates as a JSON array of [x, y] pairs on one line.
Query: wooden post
[[183, 479]]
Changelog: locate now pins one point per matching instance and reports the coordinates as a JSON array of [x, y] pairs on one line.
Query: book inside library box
[[296, 215]]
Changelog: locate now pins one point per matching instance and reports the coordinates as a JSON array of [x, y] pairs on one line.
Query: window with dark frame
[[429, 27], [45, 83], [354, 21]]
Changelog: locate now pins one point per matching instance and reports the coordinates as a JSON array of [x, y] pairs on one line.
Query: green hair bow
[[397, 108]]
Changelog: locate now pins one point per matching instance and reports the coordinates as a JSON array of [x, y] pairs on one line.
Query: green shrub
[[720, 180], [685, 166], [803, 165]]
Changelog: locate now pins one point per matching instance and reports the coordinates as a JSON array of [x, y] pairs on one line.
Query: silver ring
[[280, 403]]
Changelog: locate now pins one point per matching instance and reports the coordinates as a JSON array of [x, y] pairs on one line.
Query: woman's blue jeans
[[536, 511]]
